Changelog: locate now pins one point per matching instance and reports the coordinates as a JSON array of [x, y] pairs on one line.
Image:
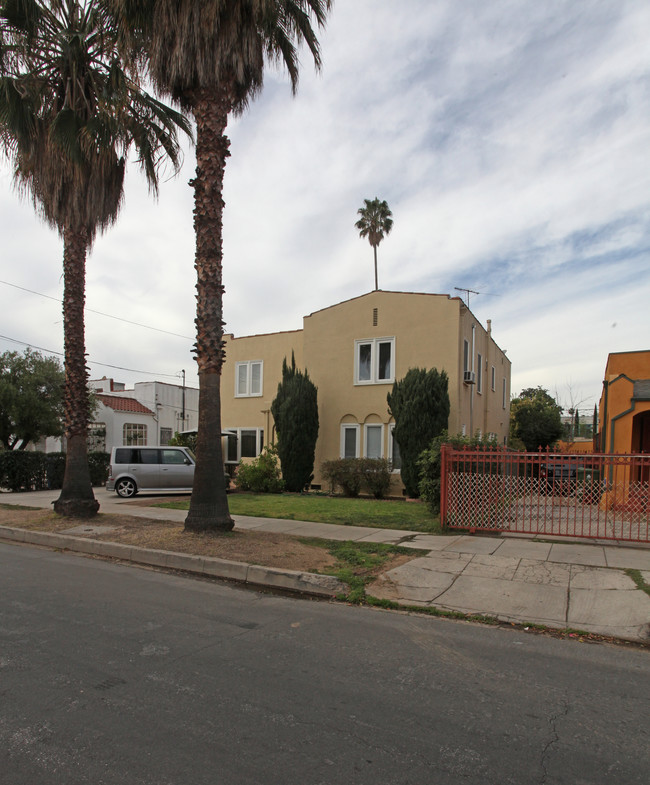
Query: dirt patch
[[264, 548]]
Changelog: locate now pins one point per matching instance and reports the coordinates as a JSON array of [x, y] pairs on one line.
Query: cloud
[[509, 139]]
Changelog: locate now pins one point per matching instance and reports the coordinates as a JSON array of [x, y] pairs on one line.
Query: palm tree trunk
[[77, 499], [374, 248], [209, 502]]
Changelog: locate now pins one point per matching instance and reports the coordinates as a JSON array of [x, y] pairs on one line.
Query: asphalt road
[[113, 674]]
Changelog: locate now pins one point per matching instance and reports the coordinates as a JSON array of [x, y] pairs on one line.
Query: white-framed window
[[494, 379], [503, 396], [249, 378], [373, 443], [479, 374], [466, 356], [349, 440], [165, 436], [243, 443], [464, 430], [134, 434], [374, 361], [394, 456]]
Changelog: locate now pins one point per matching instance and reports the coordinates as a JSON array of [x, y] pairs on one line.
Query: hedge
[[38, 471]]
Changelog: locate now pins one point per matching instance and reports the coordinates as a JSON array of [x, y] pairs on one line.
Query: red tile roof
[[123, 404]]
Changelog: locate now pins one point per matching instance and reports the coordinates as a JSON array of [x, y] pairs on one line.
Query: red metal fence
[[596, 496]]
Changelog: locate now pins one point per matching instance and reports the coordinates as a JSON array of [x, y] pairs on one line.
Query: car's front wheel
[[126, 488]]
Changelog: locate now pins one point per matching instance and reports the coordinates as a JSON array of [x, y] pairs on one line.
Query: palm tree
[[375, 222], [69, 112], [209, 55]]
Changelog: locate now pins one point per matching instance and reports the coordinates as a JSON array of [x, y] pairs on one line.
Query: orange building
[[624, 411], [624, 426]]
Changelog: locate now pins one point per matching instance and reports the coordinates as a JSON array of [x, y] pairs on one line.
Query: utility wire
[[94, 362], [101, 313]]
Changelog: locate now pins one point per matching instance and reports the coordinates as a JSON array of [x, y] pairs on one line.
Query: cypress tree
[[420, 405], [295, 412]]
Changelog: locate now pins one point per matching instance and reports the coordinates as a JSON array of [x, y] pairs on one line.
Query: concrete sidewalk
[[561, 584]]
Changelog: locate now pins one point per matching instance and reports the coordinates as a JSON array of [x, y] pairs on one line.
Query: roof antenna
[[467, 291]]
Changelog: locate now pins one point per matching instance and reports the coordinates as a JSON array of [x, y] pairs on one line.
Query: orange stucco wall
[[618, 409]]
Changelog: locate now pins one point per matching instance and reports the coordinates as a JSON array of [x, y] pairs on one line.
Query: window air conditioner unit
[[469, 377]]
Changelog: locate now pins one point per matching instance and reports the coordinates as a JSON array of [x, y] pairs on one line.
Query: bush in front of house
[[261, 475], [376, 474], [429, 464], [352, 475], [420, 405], [343, 473], [295, 413]]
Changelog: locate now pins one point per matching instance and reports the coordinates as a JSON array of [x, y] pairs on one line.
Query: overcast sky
[[511, 140]]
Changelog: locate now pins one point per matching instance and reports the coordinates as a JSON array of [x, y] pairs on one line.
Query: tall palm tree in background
[[69, 112], [209, 56], [376, 221]]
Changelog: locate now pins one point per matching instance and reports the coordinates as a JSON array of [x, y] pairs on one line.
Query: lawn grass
[[381, 514]]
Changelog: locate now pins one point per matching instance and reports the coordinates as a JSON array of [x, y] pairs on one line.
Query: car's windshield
[[191, 454]]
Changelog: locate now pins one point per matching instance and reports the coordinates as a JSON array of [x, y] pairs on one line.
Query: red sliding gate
[[596, 495]]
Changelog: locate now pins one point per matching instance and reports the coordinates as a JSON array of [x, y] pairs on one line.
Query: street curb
[[240, 572]]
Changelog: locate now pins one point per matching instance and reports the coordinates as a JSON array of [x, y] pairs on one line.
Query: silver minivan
[[134, 469]]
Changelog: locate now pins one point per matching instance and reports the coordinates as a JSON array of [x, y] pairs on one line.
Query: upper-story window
[[374, 361], [248, 378], [479, 373]]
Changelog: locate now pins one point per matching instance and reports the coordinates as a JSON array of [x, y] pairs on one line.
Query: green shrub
[[429, 464], [373, 475], [22, 471], [344, 473], [295, 413], [376, 474], [54, 469], [184, 440], [98, 463], [37, 471], [262, 475], [420, 405]]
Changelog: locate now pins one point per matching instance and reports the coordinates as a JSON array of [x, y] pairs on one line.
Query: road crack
[[555, 738]]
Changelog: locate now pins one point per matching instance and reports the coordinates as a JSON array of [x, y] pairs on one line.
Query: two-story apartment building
[[354, 351]]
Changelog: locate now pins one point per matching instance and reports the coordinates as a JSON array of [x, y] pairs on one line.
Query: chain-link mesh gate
[[596, 496]]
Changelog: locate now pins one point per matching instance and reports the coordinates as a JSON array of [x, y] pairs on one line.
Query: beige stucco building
[[354, 351]]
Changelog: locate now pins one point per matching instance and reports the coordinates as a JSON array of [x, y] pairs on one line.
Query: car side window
[[174, 456], [126, 455], [149, 456]]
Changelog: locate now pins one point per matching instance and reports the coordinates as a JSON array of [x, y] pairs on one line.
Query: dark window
[[384, 360], [397, 458], [149, 456], [249, 444], [126, 455], [350, 442], [232, 448]]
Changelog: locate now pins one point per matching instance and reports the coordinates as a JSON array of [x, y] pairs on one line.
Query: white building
[[149, 414]]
